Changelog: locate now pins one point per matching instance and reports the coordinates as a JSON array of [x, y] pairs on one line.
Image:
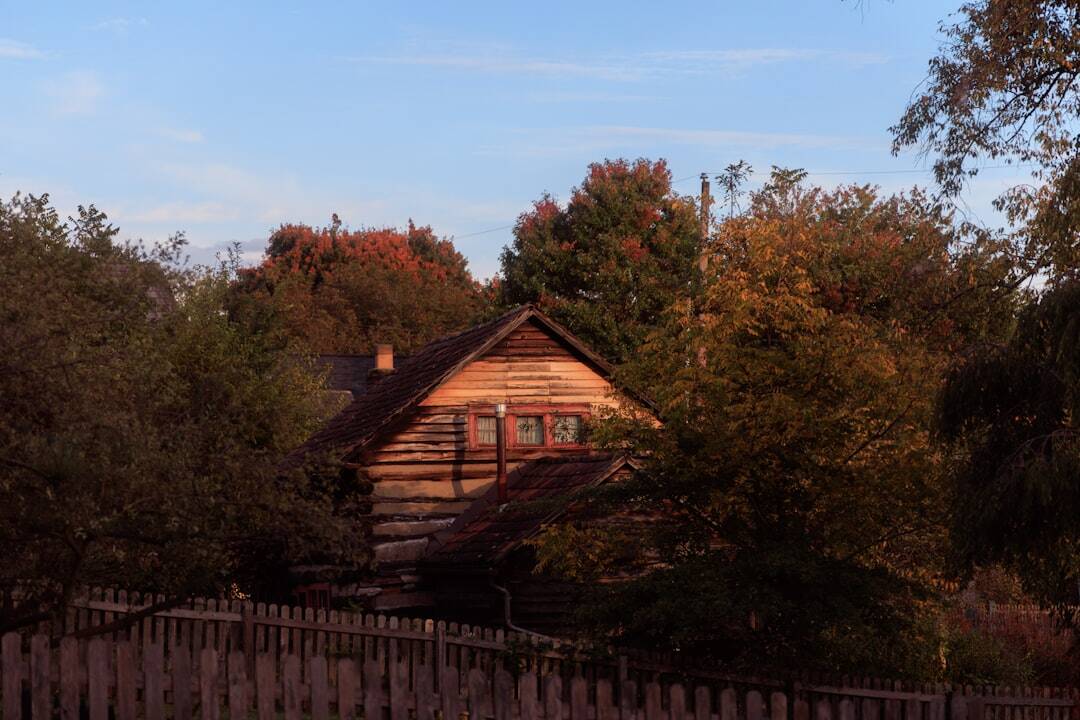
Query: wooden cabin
[[423, 433]]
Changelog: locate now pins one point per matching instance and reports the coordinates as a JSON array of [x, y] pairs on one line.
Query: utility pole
[[703, 258], [706, 201]]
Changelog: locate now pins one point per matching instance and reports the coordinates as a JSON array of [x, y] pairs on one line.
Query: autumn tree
[[142, 429], [798, 505], [1003, 89], [609, 262], [332, 290]]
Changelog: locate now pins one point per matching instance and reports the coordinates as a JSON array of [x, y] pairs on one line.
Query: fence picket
[[69, 679], [40, 698], [125, 681], [320, 699], [154, 682], [291, 690], [181, 681], [266, 685], [11, 664], [97, 679], [208, 680]]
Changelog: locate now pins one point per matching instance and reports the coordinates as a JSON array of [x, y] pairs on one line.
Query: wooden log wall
[[426, 474]]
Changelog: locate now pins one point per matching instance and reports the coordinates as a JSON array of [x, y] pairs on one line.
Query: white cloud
[[120, 25], [182, 135], [739, 58], [75, 93], [15, 50]]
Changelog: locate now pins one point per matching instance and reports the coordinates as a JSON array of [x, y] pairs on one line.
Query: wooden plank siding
[[425, 474]]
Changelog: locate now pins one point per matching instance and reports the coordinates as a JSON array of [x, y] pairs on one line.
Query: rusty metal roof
[[486, 532]]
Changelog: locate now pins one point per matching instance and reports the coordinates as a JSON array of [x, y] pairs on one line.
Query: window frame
[[546, 411]]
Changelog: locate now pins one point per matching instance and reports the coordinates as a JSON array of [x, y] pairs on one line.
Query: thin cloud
[[182, 213], [728, 138], [509, 65], [182, 135], [629, 67], [120, 25], [76, 93], [15, 50]]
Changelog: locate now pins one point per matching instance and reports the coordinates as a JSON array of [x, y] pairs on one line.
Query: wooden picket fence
[[230, 658]]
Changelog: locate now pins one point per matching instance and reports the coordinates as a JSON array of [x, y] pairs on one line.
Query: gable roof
[[346, 434], [486, 532]]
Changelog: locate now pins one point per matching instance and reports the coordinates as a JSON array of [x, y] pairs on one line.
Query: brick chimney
[[384, 363]]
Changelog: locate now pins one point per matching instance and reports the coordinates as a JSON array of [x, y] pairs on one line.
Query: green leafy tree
[[609, 262], [1008, 414], [799, 507], [142, 429]]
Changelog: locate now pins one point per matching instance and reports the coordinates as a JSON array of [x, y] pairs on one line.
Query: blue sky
[[226, 119]]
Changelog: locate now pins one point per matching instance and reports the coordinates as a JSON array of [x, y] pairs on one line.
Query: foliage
[[142, 429], [1009, 414], [798, 501], [337, 291], [608, 263], [1003, 87]]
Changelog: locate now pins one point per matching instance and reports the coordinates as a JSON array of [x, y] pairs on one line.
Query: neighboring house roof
[[346, 372], [486, 532], [394, 396]]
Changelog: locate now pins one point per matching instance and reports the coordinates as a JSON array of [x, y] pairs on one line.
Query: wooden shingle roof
[[487, 532], [394, 396]]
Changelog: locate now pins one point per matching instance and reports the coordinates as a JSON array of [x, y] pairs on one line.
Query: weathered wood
[[265, 686], [677, 702], [529, 701], [778, 706], [154, 682], [125, 681], [479, 694], [181, 682], [69, 679], [822, 710], [292, 692], [605, 701], [450, 692], [11, 665], [97, 677], [503, 695], [374, 694], [320, 690], [703, 704], [553, 706], [579, 698], [40, 695], [208, 684], [426, 701], [728, 704], [755, 705], [237, 679], [653, 708], [628, 700]]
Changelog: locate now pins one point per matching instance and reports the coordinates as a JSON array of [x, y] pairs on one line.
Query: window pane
[[530, 430], [566, 429], [485, 430]]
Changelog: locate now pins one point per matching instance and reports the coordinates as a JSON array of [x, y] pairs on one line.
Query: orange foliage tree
[[333, 290]]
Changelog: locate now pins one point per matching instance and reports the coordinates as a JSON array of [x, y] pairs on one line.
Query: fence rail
[[239, 658]]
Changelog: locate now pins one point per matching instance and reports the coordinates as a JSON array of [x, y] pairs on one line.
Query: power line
[[903, 171], [482, 232]]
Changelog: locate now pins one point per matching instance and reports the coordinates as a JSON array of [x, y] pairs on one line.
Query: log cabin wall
[[427, 473]]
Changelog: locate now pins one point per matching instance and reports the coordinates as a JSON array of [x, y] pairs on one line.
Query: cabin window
[[485, 430], [529, 426], [530, 429], [566, 429]]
